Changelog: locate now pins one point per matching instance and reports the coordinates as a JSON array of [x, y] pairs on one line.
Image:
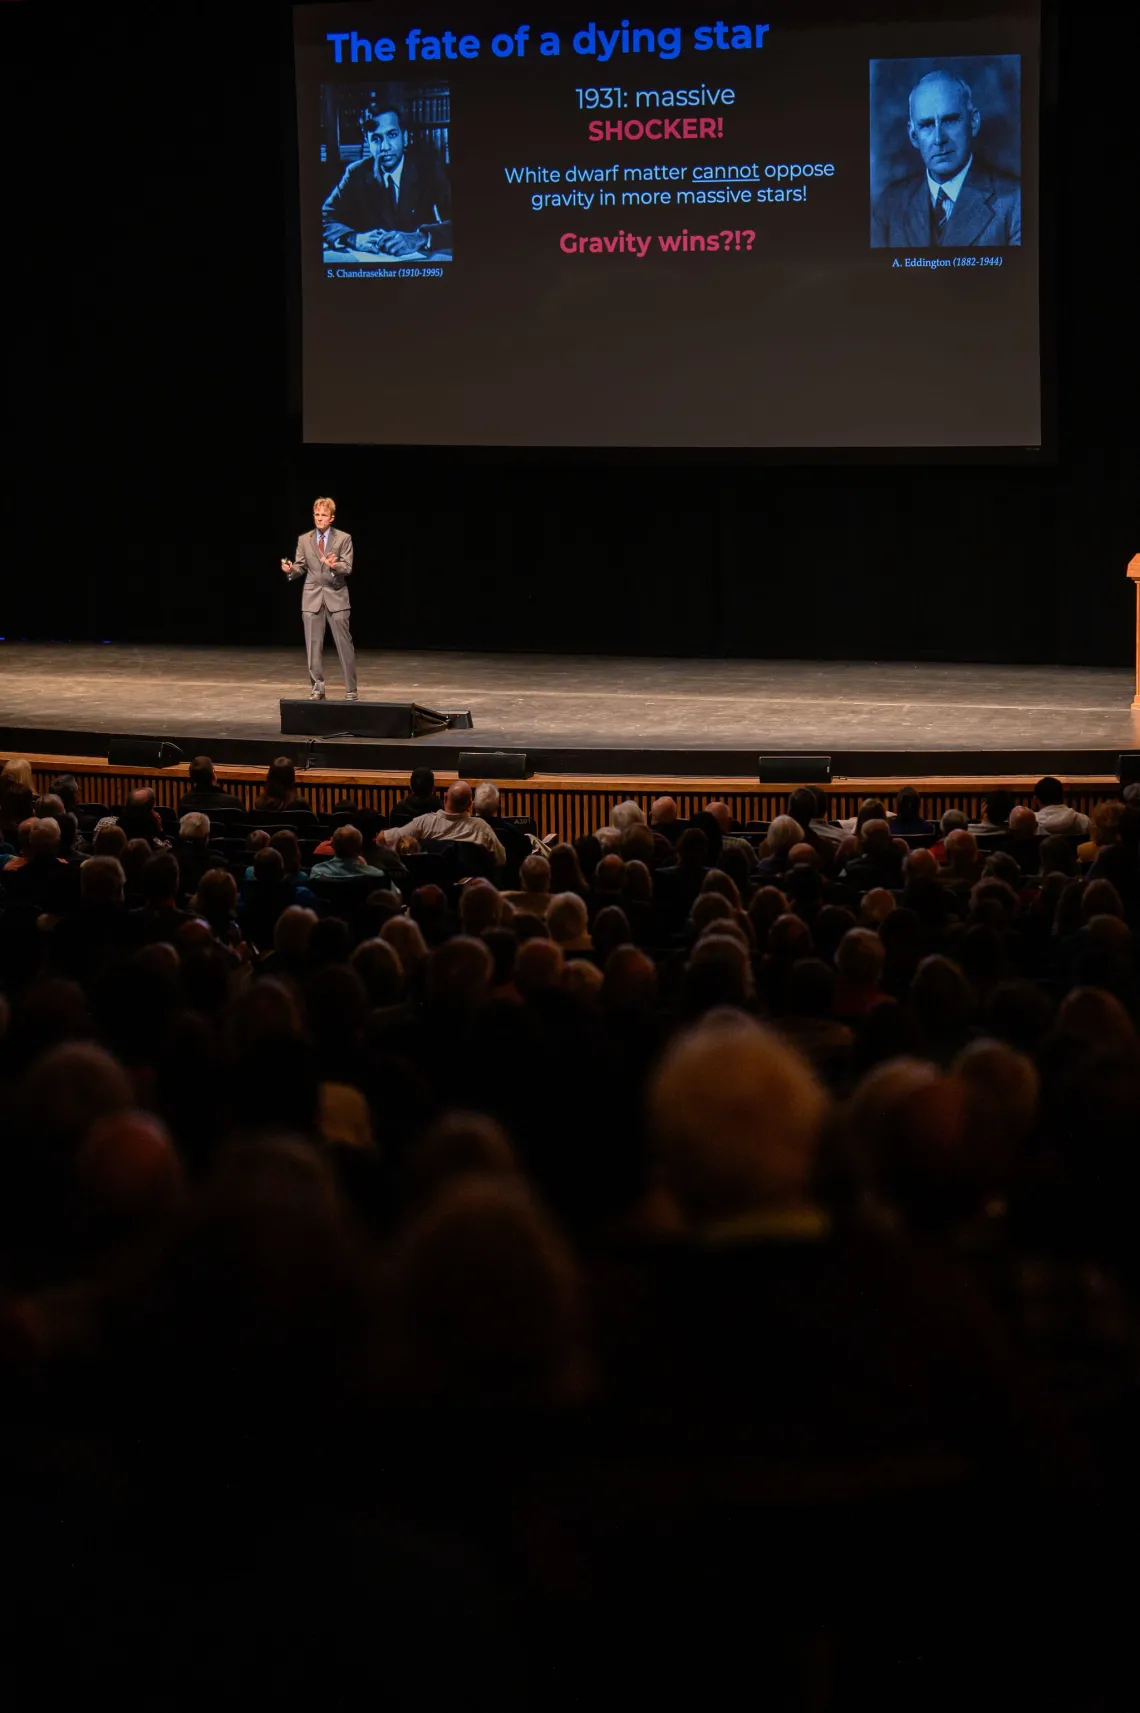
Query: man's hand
[[375, 240], [401, 243], [287, 565]]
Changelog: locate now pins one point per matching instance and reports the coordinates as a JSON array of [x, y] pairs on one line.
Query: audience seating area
[[688, 1264]]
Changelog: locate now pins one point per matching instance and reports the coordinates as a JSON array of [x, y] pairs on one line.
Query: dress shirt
[[393, 179], [952, 187]]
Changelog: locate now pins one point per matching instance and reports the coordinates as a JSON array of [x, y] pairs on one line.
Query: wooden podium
[[1134, 572]]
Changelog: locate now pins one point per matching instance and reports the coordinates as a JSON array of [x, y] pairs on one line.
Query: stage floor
[[583, 713]]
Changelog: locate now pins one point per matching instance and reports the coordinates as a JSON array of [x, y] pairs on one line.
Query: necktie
[[390, 184], [943, 209]]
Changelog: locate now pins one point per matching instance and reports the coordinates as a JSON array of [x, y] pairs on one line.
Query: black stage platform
[[583, 714]]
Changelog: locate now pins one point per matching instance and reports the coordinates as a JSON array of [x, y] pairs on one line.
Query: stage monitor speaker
[[1128, 768], [367, 719], [795, 770], [143, 752], [494, 764]]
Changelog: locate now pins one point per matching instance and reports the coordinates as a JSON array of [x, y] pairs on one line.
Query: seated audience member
[[51, 808], [610, 930], [609, 881], [203, 792], [622, 817], [533, 896], [997, 807], [280, 788], [540, 968], [480, 907], [45, 878], [1023, 842], [458, 975], [663, 818], [728, 827], [810, 1023], [879, 861], [487, 804], [286, 841], [630, 980], [193, 850], [289, 958], [16, 806], [421, 799], [134, 859], [627, 814], [1105, 825], [159, 916], [378, 965], [407, 941], [637, 902], [430, 910], [1058, 855], [908, 821], [84, 941], [17, 794], [268, 893], [944, 1007], [783, 835], [65, 786], [718, 973], [640, 843], [347, 861], [568, 923], [587, 854], [139, 818], [108, 839], [566, 872], [16, 774], [963, 863], [215, 903], [1053, 814], [803, 806], [454, 821], [582, 980], [859, 961], [461, 1145], [951, 821]]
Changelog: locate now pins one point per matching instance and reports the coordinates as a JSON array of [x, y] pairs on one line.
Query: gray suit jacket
[[324, 589], [987, 212]]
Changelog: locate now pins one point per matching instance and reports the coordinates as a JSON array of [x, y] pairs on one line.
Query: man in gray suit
[[324, 560], [958, 202]]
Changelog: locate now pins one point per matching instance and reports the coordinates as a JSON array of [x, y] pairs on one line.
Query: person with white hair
[[194, 851], [957, 200], [783, 835], [488, 807], [622, 815]]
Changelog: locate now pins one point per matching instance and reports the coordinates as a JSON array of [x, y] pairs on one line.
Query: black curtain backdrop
[[159, 474]]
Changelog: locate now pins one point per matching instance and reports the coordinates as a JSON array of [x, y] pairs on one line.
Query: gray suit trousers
[[315, 644]]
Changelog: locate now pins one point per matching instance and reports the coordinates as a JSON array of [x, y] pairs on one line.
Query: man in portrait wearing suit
[[391, 202], [958, 201], [324, 560]]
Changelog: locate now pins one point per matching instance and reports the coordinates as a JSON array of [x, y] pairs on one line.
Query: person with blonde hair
[[735, 1116], [324, 559]]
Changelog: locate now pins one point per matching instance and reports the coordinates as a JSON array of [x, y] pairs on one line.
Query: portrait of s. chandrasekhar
[[386, 172], [946, 152]]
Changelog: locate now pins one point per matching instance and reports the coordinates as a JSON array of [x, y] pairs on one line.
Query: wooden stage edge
[[567, 804]]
